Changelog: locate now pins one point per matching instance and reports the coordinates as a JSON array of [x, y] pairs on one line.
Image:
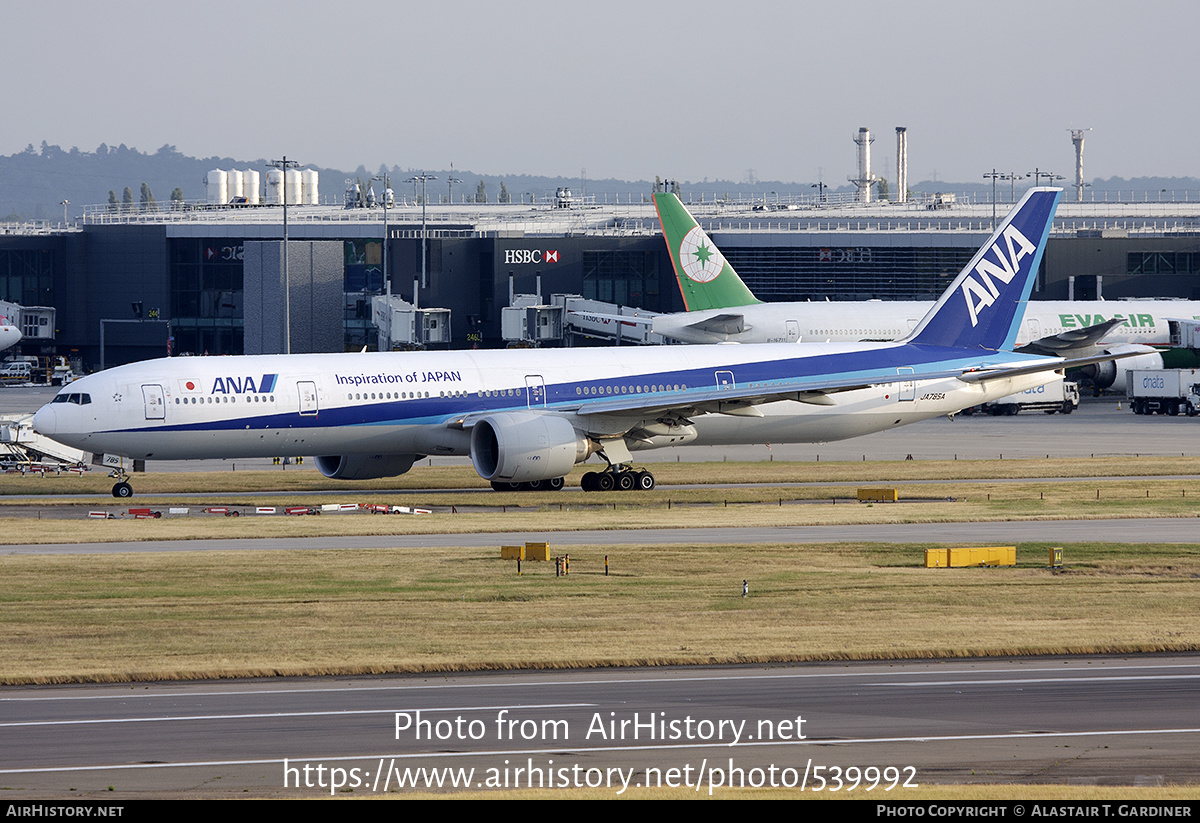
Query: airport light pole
[[283, 165], [1012, 177], [994, 175], [387, 281], [450, 181], [1038, 174], [422, 178]]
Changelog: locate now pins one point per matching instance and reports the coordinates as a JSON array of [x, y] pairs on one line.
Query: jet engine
[[1112, 372], [520, 447], [365, 466]]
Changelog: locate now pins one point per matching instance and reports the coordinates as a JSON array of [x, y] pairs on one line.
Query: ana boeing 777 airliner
[[527, 417]]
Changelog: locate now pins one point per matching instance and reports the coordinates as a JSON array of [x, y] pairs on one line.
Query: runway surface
[[1142, 530], [1072, 720]]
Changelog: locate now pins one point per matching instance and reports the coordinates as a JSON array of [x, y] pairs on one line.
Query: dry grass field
[[223, 614], [247, 613]]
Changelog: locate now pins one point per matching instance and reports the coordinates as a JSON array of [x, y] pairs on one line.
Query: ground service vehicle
[[1163, 391], [1059, 396]]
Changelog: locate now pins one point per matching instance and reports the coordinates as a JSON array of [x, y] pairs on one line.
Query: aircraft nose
[[45, 421]]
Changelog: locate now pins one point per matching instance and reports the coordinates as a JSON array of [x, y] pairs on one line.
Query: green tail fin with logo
[[706, 280]]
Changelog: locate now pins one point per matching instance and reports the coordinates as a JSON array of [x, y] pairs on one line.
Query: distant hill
[[34, 182]]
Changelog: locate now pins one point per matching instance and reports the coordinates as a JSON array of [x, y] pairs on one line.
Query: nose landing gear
[[121, 488]]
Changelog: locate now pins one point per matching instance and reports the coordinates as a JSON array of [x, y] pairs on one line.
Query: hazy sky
[[688, 90]]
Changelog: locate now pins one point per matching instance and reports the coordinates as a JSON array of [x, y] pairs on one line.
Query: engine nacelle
[[518, 447], [365, 466], [1112, 372]]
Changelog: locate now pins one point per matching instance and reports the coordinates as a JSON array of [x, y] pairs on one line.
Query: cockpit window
[[77, 399]]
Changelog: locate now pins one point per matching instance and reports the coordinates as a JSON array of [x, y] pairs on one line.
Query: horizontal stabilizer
[[983, 375], [722, 324], [1057, 344]]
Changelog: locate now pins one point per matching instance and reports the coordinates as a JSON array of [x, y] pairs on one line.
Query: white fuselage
[[9, 336], [425, 402], [1145, 321]]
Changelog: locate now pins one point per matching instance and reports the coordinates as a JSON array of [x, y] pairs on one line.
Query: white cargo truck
[[1163, 391], [1059, 396]]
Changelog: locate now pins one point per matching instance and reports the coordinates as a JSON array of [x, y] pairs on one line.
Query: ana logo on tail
[[701, 259], [985, 293]]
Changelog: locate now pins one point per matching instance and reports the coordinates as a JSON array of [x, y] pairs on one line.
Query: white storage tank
[[294, 186], [250, 183], [274, 187], [216, 186], [310, 197], [235, 185]]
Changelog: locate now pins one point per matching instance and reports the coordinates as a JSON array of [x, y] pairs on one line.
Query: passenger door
[[307, 390], [156, 405], [535, 391]]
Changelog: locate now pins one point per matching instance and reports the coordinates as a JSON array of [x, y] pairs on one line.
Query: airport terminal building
[[209, 279]]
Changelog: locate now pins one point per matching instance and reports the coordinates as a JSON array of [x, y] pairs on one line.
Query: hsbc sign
[[537, 256], [225, 253]]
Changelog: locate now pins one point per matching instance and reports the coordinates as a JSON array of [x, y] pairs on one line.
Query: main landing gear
[[617, 479]]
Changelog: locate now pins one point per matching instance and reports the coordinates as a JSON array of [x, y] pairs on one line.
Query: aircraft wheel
[[605, 482], [645, 481], [555, 484], [534, 485], [588, 482], [122, 490], [626, 481]]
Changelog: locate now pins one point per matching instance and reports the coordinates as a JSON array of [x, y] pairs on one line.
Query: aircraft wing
[[815, 391], [1057, 344], [740, 400]]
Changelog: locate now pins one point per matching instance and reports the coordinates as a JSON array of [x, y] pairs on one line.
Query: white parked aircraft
[[526, 417], [10, 333], [722, 309], [9, 336]]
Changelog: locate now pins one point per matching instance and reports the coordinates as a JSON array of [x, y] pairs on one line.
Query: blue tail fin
[[984, 306]]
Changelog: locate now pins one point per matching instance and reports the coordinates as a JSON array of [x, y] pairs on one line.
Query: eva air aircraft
[[721, 309], [527, 417]]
